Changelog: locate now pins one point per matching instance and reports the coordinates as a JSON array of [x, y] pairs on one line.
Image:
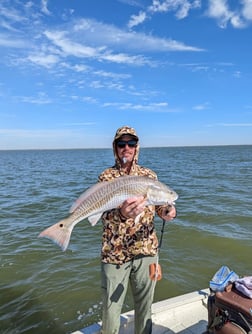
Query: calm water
[[45, 290]]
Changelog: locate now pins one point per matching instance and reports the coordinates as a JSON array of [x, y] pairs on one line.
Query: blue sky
[[72, 72]]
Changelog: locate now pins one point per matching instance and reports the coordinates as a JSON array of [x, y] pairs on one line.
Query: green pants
[[114, 284]]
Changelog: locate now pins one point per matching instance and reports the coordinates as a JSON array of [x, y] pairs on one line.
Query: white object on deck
[[185, 314]]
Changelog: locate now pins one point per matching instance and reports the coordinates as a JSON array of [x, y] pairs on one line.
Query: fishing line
[[162, 233]]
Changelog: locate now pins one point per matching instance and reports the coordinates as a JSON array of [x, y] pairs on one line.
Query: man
[[129, 247]]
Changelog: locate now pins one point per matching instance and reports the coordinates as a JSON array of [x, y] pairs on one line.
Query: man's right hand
[[133, 206]]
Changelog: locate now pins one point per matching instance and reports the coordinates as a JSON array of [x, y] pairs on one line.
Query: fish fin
[[58, 233], [94, 218]]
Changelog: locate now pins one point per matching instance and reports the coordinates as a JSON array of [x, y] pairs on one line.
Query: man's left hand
[[168, 213]]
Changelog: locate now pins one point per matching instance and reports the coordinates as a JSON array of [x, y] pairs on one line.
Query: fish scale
[[105, 196]]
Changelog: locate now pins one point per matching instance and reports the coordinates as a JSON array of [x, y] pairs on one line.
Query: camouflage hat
[[125, 130]]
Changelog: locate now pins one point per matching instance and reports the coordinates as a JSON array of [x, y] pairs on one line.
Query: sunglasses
[[123, 143]]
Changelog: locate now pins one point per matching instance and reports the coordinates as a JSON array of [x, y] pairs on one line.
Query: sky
[[73, 71]]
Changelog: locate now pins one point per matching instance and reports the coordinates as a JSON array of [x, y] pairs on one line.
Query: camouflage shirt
[[123, 239]]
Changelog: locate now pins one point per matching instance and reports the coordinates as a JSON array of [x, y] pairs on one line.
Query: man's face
[[126, 148]]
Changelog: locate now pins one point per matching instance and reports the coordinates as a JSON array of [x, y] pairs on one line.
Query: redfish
[[105, 196]]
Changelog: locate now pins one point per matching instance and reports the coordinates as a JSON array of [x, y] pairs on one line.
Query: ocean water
[[45, 290]]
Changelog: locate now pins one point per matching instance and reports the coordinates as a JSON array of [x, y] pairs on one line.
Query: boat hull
[[186, 313]]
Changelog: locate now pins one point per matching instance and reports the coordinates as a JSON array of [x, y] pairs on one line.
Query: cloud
[[26, 138], [78, 124], [236, 124], [99, 34], [69, 47], [116, 40], [80, 38], [44, 8], [86, 39], [239, 17], [11, 14], [153, 107], [44, 60], [247, 9], [203, 106], [219, 10], [79, 68], [7, 41], [112, 75], [45, 138], [135, 20], [180, 7], [41, 98], [237, 74]]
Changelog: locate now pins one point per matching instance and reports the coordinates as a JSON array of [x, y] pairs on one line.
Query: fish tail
[[58, 233]]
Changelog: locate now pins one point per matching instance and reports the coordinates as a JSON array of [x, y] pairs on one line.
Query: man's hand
[[168, 213], [133, 206]]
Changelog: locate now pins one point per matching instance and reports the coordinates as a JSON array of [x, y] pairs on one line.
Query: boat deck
[[185, 314]]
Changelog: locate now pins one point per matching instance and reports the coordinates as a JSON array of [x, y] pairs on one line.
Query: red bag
[[229, 312], [230, 328]]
